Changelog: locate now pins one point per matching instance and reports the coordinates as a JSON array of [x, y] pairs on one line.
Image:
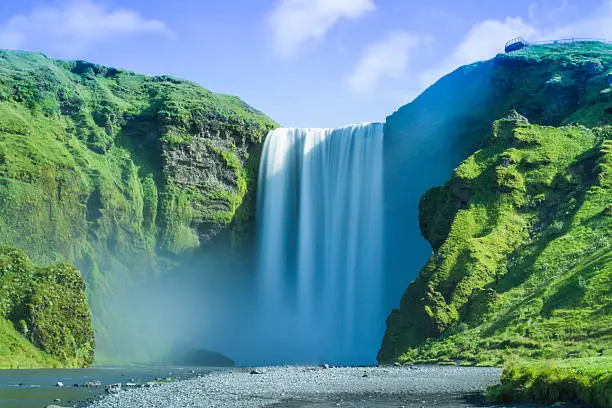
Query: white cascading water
[[320, 224]]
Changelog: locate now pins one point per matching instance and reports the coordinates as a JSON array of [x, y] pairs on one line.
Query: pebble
[[224, 388]]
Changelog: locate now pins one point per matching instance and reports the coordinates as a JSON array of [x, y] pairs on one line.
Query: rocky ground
[[293, 387]]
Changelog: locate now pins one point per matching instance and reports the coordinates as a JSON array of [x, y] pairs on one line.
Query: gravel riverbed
[[293, 387]]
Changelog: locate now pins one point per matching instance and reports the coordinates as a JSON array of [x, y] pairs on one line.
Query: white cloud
[[388, 58], [483, 41], [295, 22], [74, 26], [533, 10], [487, 38], [599, 25]]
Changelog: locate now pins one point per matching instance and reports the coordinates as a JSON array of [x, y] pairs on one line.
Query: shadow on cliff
[[427, 138]]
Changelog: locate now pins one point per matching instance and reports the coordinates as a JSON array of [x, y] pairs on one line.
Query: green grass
[[523, 253], [584, 380], [17, 352]]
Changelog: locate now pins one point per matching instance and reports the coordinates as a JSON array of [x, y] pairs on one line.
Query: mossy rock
[[47, 307], [58, 317]]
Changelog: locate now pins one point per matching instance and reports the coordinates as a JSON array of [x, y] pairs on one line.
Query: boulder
[[113, 388], [92, 384]]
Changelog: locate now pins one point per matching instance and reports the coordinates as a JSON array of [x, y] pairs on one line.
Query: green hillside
[[425, 140], [120, 173], [522, 235]]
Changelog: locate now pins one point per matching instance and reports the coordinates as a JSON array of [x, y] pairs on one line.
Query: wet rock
[[257, 371], [92, 384], [113, 388]]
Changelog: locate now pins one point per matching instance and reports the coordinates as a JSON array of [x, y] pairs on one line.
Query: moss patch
[[45, 319]]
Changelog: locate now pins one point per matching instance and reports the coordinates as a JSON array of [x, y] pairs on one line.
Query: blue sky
[[306, 63]]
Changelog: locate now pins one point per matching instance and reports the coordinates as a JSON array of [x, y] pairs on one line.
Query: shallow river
[[37, 388], [269, 387]]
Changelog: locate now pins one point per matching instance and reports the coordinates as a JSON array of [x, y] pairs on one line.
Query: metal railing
[[570, 40], [518, 43]]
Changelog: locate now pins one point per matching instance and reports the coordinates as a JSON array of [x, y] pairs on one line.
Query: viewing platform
[[518, 43]]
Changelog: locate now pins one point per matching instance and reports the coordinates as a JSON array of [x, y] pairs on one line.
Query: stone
[[59, 384], [113, 388], [92, 384], [325, 366], [256, 371]]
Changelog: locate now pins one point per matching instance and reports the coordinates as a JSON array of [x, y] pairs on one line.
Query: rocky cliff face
[[120, 173]]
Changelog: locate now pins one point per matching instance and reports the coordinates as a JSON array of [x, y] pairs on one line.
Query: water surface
[[37, 388]]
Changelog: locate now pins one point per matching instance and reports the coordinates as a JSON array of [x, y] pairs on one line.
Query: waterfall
[[320, 224]]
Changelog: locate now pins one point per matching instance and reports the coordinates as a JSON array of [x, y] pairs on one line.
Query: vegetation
[[523, 253], [44, 316], [520, 265], [585, 380], [118, 173], [522, 232]]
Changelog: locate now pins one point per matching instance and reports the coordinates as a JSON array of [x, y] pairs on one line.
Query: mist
[[200, 304]]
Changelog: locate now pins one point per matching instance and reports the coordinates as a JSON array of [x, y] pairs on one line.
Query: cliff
[[120, 173], [520, 234], [552, 85], [523, 252]]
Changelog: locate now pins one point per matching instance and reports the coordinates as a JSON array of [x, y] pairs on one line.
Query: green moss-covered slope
[[45, 319], [425, 140], [120, 173], [522, 266]]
